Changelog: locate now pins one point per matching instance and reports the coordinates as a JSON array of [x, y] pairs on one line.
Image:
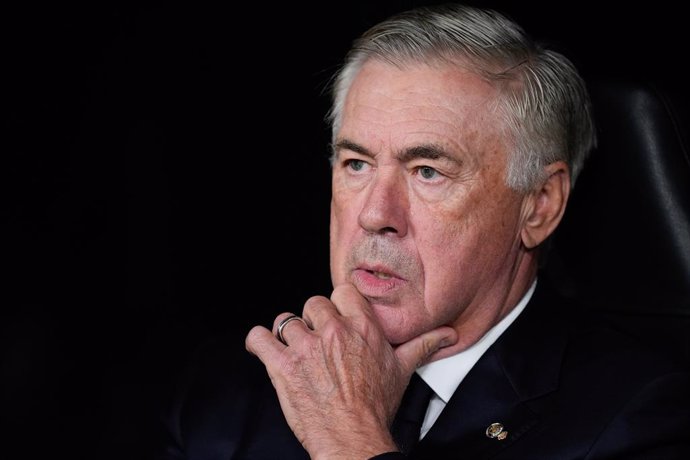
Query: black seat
[[624, 243]]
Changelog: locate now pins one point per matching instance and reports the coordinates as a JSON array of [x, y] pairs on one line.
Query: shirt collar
[[445, 375]]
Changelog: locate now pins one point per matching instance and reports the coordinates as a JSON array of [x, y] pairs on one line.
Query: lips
[[382, 275], [379, 270], [381, 266], [376, 280]]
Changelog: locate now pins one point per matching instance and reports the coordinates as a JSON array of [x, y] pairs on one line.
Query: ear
[[546, 205]]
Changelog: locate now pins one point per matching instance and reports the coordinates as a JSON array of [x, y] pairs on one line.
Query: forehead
[[442, 104]]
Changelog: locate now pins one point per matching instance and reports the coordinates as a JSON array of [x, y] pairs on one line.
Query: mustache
[[381, 250]]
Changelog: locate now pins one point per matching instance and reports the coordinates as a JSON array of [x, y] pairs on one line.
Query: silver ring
[[282, 325]]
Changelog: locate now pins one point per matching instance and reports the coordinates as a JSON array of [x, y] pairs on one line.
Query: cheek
[[343, 219], [463, 240], [334, 242]]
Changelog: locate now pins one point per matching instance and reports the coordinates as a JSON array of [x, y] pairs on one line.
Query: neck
[[491, 306]]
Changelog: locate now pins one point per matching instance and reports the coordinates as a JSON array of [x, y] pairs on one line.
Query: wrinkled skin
[[429, 250]]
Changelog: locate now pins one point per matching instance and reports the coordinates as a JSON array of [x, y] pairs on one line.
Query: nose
[[386, 205]]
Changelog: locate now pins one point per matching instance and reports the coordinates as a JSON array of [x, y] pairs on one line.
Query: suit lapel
[[522, 365]]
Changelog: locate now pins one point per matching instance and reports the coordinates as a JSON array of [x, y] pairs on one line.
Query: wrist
[[365, 449]]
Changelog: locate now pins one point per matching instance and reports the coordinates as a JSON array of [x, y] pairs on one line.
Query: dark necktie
[[408, 421]]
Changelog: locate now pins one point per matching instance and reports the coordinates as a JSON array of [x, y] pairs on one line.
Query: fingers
[[288, 326], [262, 343], [425, 348], [350, 302], [345, 301], [318, 310]]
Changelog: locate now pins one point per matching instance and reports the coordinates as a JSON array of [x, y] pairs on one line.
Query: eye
[[427, 172], [355, 165]]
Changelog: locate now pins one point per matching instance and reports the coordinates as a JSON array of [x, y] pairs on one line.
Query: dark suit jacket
[[563, 384]]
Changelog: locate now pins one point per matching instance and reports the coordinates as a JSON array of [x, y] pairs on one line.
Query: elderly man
[[456, 142]]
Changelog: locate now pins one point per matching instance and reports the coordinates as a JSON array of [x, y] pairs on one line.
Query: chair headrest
[[624, 242]]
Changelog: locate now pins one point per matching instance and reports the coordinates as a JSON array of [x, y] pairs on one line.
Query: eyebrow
[[424, 151], [345, 144]]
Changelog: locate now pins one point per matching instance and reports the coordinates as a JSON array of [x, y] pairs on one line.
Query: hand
[[338, 380]]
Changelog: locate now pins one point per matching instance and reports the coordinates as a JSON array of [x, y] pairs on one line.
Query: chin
[[396, 328]]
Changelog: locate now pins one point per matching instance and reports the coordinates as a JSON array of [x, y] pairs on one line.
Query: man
[[456, 142]]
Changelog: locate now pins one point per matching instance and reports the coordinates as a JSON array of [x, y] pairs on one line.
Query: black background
[[165, 179]]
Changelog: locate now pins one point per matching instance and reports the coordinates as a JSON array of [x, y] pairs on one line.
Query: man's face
[[422, 222]]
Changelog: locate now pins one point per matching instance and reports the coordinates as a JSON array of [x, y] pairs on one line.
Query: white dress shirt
[[444, 375]]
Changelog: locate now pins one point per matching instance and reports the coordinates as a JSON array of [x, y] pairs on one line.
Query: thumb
[[425, 348]]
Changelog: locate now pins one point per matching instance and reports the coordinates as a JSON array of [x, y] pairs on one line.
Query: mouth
[[379, 275], [379, 271], [376, 281]]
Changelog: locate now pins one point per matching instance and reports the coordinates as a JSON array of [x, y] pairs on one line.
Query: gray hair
[[543, 100]]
